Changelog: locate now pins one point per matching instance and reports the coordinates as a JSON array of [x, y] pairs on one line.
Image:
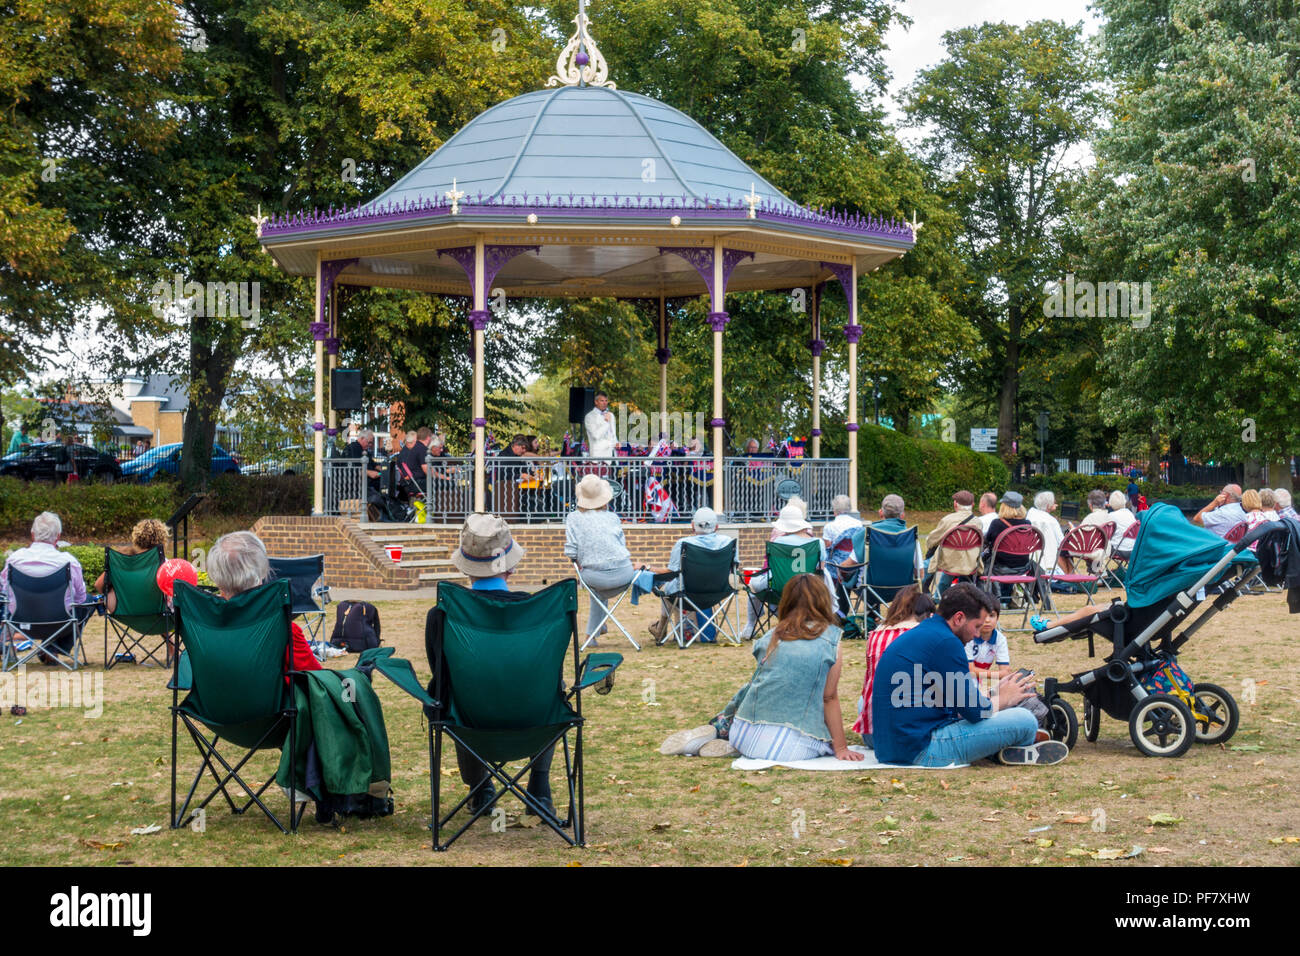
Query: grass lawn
[[72, 788]]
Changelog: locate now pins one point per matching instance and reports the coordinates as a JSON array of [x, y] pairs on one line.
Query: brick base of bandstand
[[356, 554]]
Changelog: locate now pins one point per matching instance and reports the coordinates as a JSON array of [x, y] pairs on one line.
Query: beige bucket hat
[[594, 492], [486, 547]]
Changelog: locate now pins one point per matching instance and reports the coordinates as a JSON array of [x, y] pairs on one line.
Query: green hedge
[[1070, 486], [923, 471], [86, 510], [238, 495]]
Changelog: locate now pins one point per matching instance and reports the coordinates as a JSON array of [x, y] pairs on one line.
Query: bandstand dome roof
[[597, 183]]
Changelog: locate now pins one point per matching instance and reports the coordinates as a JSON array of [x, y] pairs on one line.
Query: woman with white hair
[[237, 563], [1283, 499], [1123, 518], [1041, 517]]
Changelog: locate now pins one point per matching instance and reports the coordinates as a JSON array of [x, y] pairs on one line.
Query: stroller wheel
[[1063, 724], [1220, 711], [1161, 725], [1091, 721]]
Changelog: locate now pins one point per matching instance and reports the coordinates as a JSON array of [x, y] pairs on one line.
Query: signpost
[[984, 439]]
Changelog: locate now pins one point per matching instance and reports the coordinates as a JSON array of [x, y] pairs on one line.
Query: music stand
[[182, 517]]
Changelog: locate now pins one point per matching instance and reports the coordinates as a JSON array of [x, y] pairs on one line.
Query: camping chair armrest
[[183, 678], [323, 592], [99, 606], [595, 668], [398, 670], [659, 579]]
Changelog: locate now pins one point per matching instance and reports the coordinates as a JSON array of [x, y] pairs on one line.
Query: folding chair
[[1020, 546], [891, 566], [843, 574], [302, 575], [233, 666], [784, 561], [39, 620], [1117, 559], [504, 663], [601, 600], [140, 608], [1078, 544], [706, 591], [964, 539]]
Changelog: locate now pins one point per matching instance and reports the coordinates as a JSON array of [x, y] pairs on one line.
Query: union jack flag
[[658, 501]]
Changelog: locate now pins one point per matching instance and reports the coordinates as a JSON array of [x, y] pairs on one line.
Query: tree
[[1004, 111], [1195, 193]]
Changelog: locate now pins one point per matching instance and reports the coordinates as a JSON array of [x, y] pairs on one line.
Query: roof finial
[[580, 63]]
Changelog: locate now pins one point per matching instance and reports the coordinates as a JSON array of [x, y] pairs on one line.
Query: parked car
[[166, 459], [295, 460], [37, 462]]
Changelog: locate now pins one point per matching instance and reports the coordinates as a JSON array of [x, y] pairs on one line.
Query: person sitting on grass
[[790, 709], [909, 608], [145, 536], [238, 563], [928, 711], [989, 649]]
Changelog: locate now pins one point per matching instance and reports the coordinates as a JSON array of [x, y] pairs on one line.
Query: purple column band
[[663, 355], [479, 319], [853, 333], [718, 320], [319, 330], [480, 422], [815, 432], [817, 346], [852, 426], [718, 423], [318, 426], [331, 432], [332, 346]]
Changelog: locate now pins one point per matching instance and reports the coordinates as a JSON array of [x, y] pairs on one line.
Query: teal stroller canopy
[[1170, 555]]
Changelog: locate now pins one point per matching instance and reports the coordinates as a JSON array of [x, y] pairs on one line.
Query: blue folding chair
[[39, 623], [846, 557], [891, 566], [302, 575]]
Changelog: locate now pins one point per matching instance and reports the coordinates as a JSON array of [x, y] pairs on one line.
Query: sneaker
[[659, 629], [747, 634], [547, 805], [1039, 624], [687, 743], [1044, 754], [482, 797], [24, 645], [718, 748]]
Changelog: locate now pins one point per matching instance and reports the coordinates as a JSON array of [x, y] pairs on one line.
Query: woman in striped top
[[909, 608]]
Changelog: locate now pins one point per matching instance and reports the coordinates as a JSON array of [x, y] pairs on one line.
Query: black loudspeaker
[[345, 389], [581, 401]]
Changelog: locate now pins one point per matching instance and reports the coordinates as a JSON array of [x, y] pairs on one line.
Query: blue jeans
[[964, 741]]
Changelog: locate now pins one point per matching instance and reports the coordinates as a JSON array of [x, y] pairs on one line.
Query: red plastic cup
[[394, 552]]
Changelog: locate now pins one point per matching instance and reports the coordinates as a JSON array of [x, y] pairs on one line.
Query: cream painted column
[[817, 346], [332, 354], [479, 317], [853, 332], [319, 330], [718, 320]]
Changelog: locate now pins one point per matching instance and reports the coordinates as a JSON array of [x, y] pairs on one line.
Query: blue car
[[166, 459]]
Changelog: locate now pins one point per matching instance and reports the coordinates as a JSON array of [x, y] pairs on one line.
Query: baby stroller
[[1141, 682]]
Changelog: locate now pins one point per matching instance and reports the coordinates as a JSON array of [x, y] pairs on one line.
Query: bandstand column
[[319, 330], [817, 346], [718, 320], [853, 332], [332, 352], [479, 317]]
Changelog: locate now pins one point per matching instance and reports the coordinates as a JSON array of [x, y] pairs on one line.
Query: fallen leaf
[[953, 859], [96, 845], [944, 784], [1159, 849], [897, 784], [1077, 851], [1165, 819], [884, 840], [1079, 820], [889, 821], [1136, 851], [1044, 843], [837, 861], [573, 863], [776, 801], [1246, 748], [695, 789], [1107, 853], [1284, 839], [654, 827]]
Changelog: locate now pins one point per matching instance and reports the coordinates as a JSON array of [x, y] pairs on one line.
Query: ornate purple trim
[[480, 422], [332, 346], [817, 346], [845, 275], [853, 333], [331, 432], [319, 330], [495, 258], [717, 423], [718, 320], [465, 256], [479, 319], [730, 259], [364, 216], [701, 257], [318, 426], [663, 355], [815, 432], [852, 426], [329, 271]]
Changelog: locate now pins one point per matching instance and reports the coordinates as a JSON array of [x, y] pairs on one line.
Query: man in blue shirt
[[927, 710]]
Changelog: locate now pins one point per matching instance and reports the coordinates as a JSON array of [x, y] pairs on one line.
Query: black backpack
[[356, 626]]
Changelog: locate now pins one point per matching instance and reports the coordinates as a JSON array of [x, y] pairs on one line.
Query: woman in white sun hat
[[593, 537], [791, 527]]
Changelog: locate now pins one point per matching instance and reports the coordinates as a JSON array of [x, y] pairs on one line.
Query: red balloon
[[174, 569]]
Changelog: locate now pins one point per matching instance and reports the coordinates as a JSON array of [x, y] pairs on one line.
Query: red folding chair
[[1019, 546], [1077, 546], [963, 539], [1234, 534]]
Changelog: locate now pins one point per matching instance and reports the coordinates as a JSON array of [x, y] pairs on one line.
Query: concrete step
[[433, 563], [427, 576], [433, 550]]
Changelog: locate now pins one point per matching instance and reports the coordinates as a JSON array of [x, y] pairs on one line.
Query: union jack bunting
[[657, 500]]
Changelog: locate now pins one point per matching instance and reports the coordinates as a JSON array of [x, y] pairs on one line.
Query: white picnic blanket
[[869, 762]]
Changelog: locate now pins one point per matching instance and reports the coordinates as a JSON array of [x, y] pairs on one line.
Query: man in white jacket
[[601, 433]]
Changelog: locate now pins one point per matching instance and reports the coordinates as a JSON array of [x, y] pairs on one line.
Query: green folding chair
[[705, 591], [233, 665], [140, 611], [504, 698], [784, 561]]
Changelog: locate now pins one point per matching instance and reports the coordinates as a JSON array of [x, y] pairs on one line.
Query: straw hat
[[791, 520], [594, 492], [486, 547]]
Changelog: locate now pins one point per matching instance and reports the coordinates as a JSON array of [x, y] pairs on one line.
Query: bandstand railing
[[543, 489]]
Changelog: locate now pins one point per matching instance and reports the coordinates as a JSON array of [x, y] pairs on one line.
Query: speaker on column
[[581, 401], [345, 389]]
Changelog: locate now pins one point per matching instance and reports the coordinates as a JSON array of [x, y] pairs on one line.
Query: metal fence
[[535, 490]]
